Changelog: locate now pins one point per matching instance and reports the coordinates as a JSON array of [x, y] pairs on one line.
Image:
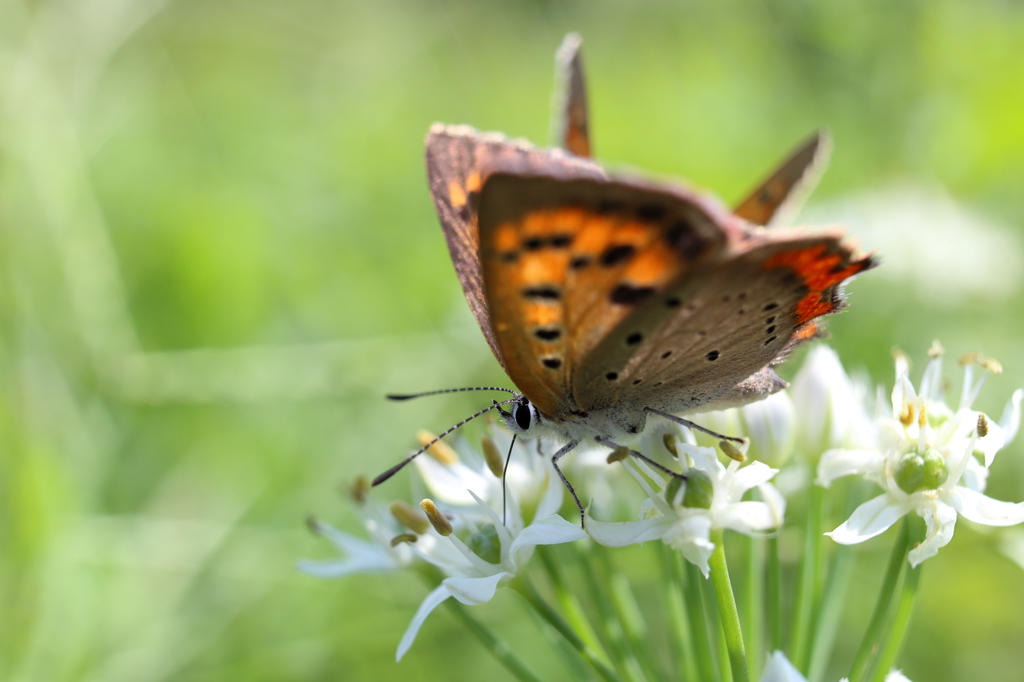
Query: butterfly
[[610, 299]]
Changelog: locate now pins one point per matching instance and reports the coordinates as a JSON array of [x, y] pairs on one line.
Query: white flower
[[924, 461], [830, 406], [500, 551], [482, 553], [711, 499], [779, 669]]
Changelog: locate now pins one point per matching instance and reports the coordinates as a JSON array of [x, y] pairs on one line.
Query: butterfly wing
[[785, 190], [457, 160], [708, 336], [570, 122], [566, 259]]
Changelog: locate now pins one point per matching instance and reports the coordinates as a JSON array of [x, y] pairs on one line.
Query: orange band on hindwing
[[819, 271]]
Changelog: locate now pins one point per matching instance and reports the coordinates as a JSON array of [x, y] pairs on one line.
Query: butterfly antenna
[[504, 474], [396, 396], [398, 467]]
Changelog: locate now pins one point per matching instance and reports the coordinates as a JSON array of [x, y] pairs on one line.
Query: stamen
[[492, 456], [670, 444], [982, 425], [618, 454], [968, 358], [408, 516], [731, 451], [404, 537], [436, 517], [907, 416], [358, 488], [936, 351], [440, 450], [991, 364]]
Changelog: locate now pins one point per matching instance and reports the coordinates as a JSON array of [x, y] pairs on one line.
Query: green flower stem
[[699, 621], [632, 620], [545, 611], [807, 583], [495, 646], [828, 617], [596, 575], [873, 635], [904, 607], [773, 596], [677, 613], [753, 605], [727, 609], [571, 606]]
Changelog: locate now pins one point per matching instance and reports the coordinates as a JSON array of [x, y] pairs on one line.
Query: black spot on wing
[[627, 294], [542, 293], [712, 356], [615, 255]]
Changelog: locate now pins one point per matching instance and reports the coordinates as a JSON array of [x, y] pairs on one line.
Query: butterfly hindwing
[[715, 327], [565, 260], [570, 121]]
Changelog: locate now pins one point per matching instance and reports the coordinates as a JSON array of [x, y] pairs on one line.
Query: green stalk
[[495, 646], [872, 636], [904, 609], [753, 605], [677, 614], [571, 606], [804, 609], [596, 574], [699, 621], [828, 616], [632, 620], [545, 611], [727, 609], [773, 596]]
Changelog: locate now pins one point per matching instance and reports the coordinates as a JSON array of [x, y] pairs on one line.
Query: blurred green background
[[218, 251]]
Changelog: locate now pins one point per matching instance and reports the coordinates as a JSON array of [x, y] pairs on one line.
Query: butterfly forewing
[[780, 196], [566, 260]]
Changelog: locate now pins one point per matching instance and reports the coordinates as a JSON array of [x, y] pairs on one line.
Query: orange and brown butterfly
[[607, 299]]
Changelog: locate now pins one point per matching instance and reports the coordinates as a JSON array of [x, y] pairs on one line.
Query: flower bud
[[672, 489], [909, 473], [769, 425], [825, 404], [699, 490], [440, 450], [409, 516], [404, 537], [618, 454], [935, 471], [493, 458], [437, 518], [486, 544]]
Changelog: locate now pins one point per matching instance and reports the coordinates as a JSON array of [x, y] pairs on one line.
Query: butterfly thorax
[[527, 421]]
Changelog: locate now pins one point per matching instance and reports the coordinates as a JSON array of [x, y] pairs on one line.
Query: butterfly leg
[[562, 452], [690, 425], [613, 445]]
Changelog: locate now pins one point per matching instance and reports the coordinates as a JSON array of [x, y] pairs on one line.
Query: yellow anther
[[907, 415], [436, 517], [440, 451], [670, 444], [618, 454], [982, 425], [404, 537], [409, 516], [991, 364], [967, 358], [731, 451], [922, 416], [492, 457], [936, 351], [358, 488]]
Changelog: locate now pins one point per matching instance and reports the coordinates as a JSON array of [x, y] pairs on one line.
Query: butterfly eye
[[522, 415]]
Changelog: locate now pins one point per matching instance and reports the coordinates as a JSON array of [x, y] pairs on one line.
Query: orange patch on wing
[[456, 194], [808, 331], [650, 266], [506, 238], [536, 314], [542, 267], [473, 182], [817, 271], [594, 235]]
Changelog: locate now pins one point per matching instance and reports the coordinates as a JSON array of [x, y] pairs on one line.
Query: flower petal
[[982, 509], [381, 563], [747, 517], [769, 424], [779, 669], [690, 534], [473, 591], [940, 518], [838, 463], [620, 534], [554, 530], [551, 501], [896, 676], [870, 519], [428, 605], [1010, 421], [750, 476], [450, 483]]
